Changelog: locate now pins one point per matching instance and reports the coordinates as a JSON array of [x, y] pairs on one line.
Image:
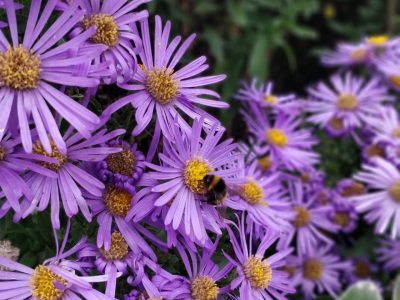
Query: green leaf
[[258, 63], [396, 289], [362, 290]]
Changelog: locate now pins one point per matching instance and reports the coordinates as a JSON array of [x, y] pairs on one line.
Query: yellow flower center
[[107, 29], [341, 218], [394, 191], [195, 171], [122, 162], [117, 200], [119, 248], [204, 288], [396, 133], [395, 79], [362, 269], [356, 188], [378, 40], [358, 54], [252, 192], [55, 153], [271, 99], [277, 137], [2, 152], [347, 101], [302, 216], [161, 85], [375, 150], [19, 68], [264, 163], [42, 284], [258, 272], [336, 123], [312, 269]]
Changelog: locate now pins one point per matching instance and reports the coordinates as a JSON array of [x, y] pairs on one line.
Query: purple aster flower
[[343, 214], [119, 259], [382, 206], [346, 104], [259, 277], [28, 70], [311, 221], [51, 281], [263, 95], [361, 269], [347, 54], [185, 161], [385, 126], [13, 161], [264, 198], [203, 277], [113, 30], [350, 187], [319, 270], [161, 87], [72, 180], [124, 168], [284, 140], [388, 254]]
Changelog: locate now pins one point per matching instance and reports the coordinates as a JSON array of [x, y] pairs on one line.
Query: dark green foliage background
[[270, 39]]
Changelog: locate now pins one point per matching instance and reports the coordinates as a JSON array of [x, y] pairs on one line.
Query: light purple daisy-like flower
[[319, 271], [258, 277], [124, 168], [349, 187], [264, 198], [203, 277], [119, 259], [343, 214], [388, 254], [13, 161], [382, 205], [113, 22], [283, 139], [263, 95], [310, 221], [160, 86], [347, 54], [185, 161], [361, 269], [347, 103], [28, 70], [51, 281], [385, 126], [72, 180]]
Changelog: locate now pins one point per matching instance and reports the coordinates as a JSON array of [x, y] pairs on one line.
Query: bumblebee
[[216, 189]]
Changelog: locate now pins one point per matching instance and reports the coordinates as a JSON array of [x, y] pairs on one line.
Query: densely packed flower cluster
[[253, 219]]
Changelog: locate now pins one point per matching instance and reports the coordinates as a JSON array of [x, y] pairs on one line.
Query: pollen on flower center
[[252, 192], [336, 123], [258, 272], [341, 218], [195, 171], [122, 162], [2, 152], [302, 216], [313, 269], [378, 40], [396, 133], [119, 248], [204, 288], [356, 188], [55, 153], [162, 85], [394, 191], [358, 54], [19, 68], [42, 284], [277, 137], [107, 29], [117, 200], [375, 150], [270, 99], [395, 79], [347, 101]]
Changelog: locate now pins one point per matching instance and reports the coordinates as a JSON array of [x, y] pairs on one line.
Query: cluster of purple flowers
[[273, 227]]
